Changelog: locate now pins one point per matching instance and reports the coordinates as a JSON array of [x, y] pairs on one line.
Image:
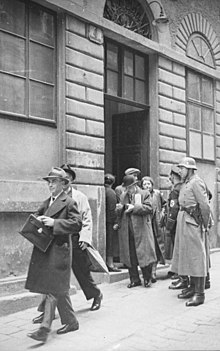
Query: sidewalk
[[130, 319]]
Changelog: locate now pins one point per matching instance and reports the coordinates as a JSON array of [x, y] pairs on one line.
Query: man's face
[[183, 172], [135, 175], [55, 186]]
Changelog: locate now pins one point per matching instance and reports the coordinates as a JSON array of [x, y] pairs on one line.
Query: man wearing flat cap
[[120, 188], [49, 272], [135, 231]]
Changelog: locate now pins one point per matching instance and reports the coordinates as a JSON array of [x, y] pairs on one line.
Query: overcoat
[[190, 255], [49, 272], [157, 224], [142, 229]]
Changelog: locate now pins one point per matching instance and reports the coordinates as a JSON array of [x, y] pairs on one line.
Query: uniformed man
[[190, 254]]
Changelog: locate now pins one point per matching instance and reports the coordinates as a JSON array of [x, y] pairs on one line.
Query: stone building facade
[[131, 84]]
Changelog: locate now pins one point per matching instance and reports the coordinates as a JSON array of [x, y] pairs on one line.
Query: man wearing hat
[[80, 262], [120, 188], [190, 250], [49, 272], [136, 241], [112, 245]]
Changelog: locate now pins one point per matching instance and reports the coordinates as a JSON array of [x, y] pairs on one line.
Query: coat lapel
[[57, 205]]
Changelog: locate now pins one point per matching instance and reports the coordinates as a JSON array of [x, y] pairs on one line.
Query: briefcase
[[97, 264], [37, 233]]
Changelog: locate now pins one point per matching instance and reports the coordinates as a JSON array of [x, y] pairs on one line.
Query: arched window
[[129, 14]]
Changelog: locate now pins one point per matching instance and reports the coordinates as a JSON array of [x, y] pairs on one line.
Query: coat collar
[[57, 205]]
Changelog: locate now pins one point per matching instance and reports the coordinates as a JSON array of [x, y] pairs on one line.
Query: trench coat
[[157, 224], [190, 248], [49, 272], [142, 229]]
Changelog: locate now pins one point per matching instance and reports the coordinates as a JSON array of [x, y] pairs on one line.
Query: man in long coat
[[136, 240], [190, 250], [49, 272]]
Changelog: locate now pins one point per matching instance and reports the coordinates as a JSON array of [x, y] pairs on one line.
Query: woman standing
[[158, 204]]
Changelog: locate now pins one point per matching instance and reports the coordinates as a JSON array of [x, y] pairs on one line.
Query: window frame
[[27, 117], [202, 106], [121, 73]]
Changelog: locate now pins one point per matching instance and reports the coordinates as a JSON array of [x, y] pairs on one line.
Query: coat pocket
[[190, 220], [61, 257]]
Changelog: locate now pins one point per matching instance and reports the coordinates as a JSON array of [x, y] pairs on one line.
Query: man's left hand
[[47, 221], [83, 245]]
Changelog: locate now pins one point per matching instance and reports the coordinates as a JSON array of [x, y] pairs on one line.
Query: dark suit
[[49, 272]]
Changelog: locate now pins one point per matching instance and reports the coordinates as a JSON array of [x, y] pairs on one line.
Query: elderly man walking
[[190, 250]]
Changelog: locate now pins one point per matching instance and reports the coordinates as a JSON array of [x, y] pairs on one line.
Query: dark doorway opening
[[126, 137]]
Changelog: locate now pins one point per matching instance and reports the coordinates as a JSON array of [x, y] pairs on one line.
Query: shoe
[[196, 300], [181, 284], [174, 277], [186, 294], [40, 335], [170, 274], [38, 319], [96, 303], [68, 328], [153, 278], [113, 269], [147, 283], [133, 284]]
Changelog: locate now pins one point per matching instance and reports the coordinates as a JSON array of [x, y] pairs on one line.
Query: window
[[126, 73], [200, 113], [27, 60]]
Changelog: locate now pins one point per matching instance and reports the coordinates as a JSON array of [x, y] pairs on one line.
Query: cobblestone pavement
[[137, 319]]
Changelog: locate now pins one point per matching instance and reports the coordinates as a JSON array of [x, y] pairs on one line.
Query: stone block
[[217, 107], [90, 176], [217, 139], [84, 45], [172, 79], [218, 85], [75, 91], [217, 118], [217, 129], [84, 142], [165, 116], [172, 130], [217, 93], [166, 142], [165, 185], [172, 105], [84, 61], [75, 25], [179, 69], [179, 119], [95, 128], [95, 96], [75, 124], [179, 145], [85, 78], [165, 169], [165, 63], [85, 159], [217, 152], [165, 89], [179, 94], [81, 109], [170, 156]]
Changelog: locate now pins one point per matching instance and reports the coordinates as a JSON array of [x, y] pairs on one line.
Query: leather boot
[[199, 296], [188, 292], [153, 272], [207, 281]]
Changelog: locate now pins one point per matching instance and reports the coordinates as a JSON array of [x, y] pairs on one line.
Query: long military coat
[[190, 255], [158, 230], [142, 230], [49, 272]]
